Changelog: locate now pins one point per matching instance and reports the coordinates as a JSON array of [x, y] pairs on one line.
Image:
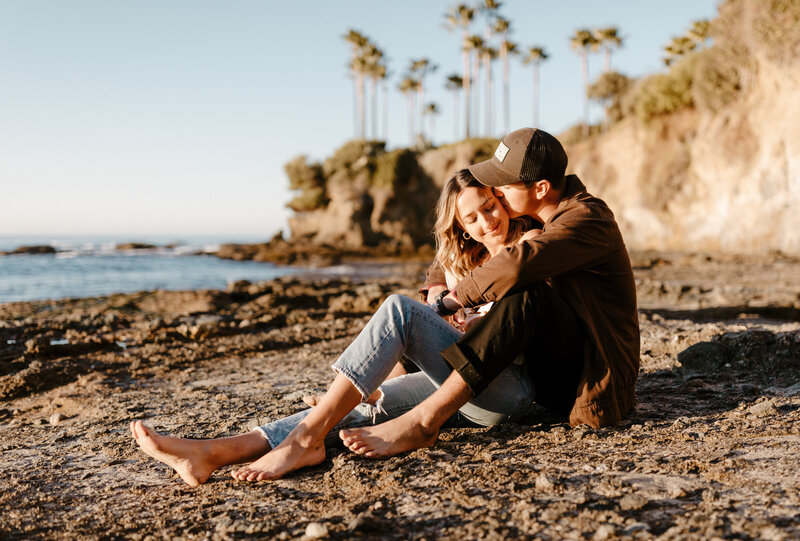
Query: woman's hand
[[467, 325], [529, 235]]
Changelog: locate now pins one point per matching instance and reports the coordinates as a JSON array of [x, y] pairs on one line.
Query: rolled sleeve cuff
[[461, 363]]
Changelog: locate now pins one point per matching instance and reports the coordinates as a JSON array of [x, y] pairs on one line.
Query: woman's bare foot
[[313, 399], [291, 454], [399, 435], [191, 459]]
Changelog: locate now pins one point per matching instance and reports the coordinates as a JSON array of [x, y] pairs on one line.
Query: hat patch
[[501, 152]]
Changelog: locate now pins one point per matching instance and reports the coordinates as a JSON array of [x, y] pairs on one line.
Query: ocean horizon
[[90, 266]]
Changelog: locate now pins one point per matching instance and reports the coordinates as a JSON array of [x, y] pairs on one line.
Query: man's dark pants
[[535, 324]]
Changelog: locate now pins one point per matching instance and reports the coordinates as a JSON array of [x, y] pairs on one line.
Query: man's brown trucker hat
[[526, 155]]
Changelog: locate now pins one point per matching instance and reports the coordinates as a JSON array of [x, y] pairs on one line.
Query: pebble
[[763, 409], [56, 418], [636, 527], [606, 531], [365, 522], [316, 530], [545, 482], [632, 502]]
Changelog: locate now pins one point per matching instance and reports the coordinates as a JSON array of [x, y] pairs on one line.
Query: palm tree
[[489, 55], [408, 86], [475, 43], [454, 83], [375, 70], [431, 110], [460, 16], [420, 69], [608, 38], [502, 27], [535, 57], [700, 32], [357, 41], [489, 9], [582, 42], [677, 48]]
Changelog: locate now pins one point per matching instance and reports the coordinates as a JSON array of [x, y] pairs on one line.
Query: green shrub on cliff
[[484, 147], [716, 80], [663, 93], [310, 181], [391, 168], [610, 89], [353, 155]]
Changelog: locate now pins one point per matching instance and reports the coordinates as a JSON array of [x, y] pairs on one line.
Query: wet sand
[[709, 452]]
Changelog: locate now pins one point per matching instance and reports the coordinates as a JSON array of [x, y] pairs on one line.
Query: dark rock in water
[[135, 246], [28, 250]]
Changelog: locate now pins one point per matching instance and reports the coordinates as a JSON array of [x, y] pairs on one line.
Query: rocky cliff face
[[714, 175], [365, 196]]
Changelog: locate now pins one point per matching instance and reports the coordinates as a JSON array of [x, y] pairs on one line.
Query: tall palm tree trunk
[[487, 122], [466, 85], [585, 72], [421, 107], [506, 97], [476, 93], [535, 95], [385, 111], [361, 109], [374, 109], [456, 107], [410, 103]]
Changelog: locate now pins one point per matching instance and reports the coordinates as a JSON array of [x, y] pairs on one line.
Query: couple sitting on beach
[[551, 319]]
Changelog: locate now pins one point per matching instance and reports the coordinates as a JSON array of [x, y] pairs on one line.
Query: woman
[[471, 226]]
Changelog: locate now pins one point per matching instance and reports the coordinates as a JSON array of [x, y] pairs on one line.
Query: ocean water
[[88, 267]]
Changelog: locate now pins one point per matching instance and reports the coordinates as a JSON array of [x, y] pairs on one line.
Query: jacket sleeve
[[574, 240], [434, 276]]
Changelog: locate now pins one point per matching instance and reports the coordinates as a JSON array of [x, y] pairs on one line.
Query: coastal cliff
[[721, 169], [703, 156], [366, 196]]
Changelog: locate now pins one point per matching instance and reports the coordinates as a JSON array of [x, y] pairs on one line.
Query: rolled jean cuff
[[340, 368], [264, 433], [458, 361]]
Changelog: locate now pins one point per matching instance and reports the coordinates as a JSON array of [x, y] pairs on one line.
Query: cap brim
[[489, 174]]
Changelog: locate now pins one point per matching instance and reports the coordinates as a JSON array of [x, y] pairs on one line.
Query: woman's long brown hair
[[457, 255]]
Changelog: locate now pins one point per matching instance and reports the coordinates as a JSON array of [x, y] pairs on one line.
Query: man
[[565, 305]]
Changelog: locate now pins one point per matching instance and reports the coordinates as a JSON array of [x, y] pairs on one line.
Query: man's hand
[[529, 235], [468, 324]]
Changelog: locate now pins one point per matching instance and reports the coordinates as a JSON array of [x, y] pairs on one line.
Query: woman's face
[[482, 216]]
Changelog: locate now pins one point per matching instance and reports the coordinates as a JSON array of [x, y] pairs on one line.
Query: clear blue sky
[[176, 116]]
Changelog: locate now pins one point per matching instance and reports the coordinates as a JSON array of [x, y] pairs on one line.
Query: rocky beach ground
[[709, 452]]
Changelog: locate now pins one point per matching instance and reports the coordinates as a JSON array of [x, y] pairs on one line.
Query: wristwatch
[[438, 305]]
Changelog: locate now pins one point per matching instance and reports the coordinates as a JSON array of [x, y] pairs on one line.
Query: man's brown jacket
[[581, 254]]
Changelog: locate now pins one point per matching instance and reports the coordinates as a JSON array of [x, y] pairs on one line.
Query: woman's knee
[[397, 302]]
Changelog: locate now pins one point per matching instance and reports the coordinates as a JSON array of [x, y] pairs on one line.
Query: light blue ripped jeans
[[405, 327]]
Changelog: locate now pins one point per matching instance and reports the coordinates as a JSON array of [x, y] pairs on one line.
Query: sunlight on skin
[[393, 437], [305, 445], [414, 429], [196, 460]]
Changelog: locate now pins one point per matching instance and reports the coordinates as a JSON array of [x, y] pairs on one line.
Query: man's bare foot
[[314, 399], [399, 435], [288, 456], [191, 459]]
